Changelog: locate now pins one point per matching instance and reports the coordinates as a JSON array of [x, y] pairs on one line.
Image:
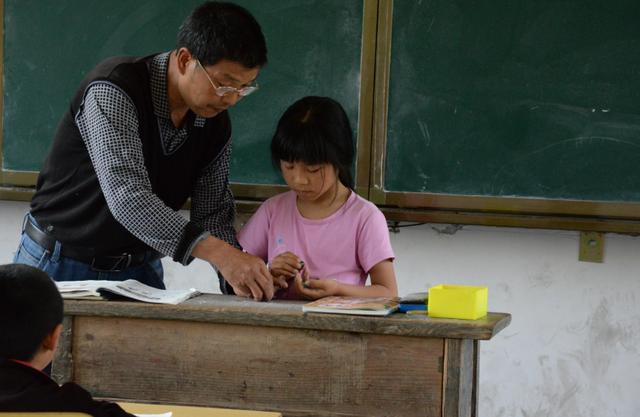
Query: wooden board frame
[[492, 211]]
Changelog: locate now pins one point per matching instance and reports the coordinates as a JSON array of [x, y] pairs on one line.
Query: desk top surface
[[186, 411], [225, 309]]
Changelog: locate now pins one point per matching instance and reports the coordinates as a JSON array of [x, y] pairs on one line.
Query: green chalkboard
[[515, 98], [314, 48]]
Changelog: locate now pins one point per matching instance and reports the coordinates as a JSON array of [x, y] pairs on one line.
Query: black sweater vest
[[69, 202]]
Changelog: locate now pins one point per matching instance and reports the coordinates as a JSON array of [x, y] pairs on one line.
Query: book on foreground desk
[[368, 306], [122, 290], [416, 301]]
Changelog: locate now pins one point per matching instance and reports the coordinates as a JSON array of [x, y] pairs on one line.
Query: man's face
[[209, 93]]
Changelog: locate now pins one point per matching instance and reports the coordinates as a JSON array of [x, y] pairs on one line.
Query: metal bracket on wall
[[591, 247]]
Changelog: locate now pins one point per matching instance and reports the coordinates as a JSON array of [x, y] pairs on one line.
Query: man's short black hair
[[30, 308], [216, 30]]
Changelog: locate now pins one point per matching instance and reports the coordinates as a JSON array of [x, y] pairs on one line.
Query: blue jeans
[[61, 268]]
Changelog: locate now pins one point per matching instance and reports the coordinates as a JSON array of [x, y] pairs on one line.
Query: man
[[30, 326], [142, 136]]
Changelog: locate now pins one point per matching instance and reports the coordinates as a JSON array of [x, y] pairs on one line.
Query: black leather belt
[[100, 263]]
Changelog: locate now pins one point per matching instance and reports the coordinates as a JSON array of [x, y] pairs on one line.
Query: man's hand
[[247, 274]]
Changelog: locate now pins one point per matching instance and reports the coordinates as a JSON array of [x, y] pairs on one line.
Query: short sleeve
[[374, 245], [254, 235]]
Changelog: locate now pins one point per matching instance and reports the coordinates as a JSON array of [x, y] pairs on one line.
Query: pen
[[305, 282], [417, 312]]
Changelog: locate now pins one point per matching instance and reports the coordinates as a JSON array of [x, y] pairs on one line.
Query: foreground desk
[[186, 411], [224, 351], [138, 408]]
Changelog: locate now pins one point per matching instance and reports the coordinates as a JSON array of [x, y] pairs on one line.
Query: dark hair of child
[[315, 130], [30, 308]]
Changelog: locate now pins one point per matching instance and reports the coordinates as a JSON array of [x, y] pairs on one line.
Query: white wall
[[572, 348]]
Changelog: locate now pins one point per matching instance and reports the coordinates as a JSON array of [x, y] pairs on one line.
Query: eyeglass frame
[[225, 90]]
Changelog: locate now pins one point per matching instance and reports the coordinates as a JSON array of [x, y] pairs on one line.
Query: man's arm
[[108, 124], [213, 206], [212, 203]]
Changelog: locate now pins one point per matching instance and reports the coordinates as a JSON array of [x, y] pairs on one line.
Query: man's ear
[[183, 56], [50, 341]]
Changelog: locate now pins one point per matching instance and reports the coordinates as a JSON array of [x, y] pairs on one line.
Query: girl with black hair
[[320, 238]]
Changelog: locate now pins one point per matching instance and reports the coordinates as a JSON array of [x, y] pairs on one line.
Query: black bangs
[[301, 143]]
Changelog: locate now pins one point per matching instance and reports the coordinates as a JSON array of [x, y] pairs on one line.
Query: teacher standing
[[142, 135]]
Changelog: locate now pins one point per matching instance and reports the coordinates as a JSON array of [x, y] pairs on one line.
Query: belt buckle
[[124, 259]]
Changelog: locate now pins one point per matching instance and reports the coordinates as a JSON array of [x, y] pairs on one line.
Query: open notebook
[[127, 290]]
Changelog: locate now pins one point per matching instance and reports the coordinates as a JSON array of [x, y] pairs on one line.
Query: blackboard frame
[[585, 215]]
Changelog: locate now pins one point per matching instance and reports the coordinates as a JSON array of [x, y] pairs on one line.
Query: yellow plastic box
[[458, 301]]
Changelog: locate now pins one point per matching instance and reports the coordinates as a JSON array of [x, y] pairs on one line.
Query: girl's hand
[[316, 288], [285, 265], [280, 281]]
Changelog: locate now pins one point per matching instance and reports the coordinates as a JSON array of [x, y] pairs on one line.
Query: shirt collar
[[158, 69], [28, 365], [22, 363]]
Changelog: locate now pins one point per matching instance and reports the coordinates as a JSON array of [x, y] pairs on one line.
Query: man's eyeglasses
[[224, 90]]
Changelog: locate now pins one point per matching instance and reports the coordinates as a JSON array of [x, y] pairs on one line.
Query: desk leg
[[475, 395], [62, 369], [459, 378]]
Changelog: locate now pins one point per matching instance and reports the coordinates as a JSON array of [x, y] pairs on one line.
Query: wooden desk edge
[[501, 324], [217, 309]]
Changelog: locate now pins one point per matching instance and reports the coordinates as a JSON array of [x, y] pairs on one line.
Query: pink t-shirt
[[344, 246]]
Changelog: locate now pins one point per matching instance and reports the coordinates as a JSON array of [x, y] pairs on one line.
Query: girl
[[320, 238]]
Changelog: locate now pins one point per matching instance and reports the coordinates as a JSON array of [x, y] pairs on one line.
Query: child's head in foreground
[[31, 312], [314, 133]]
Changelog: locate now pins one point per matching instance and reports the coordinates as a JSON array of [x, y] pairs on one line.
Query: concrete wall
[[572, 348]]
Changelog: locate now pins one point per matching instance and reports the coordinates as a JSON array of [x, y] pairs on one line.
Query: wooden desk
[[186, 411], [232, 352], [41, 414]]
